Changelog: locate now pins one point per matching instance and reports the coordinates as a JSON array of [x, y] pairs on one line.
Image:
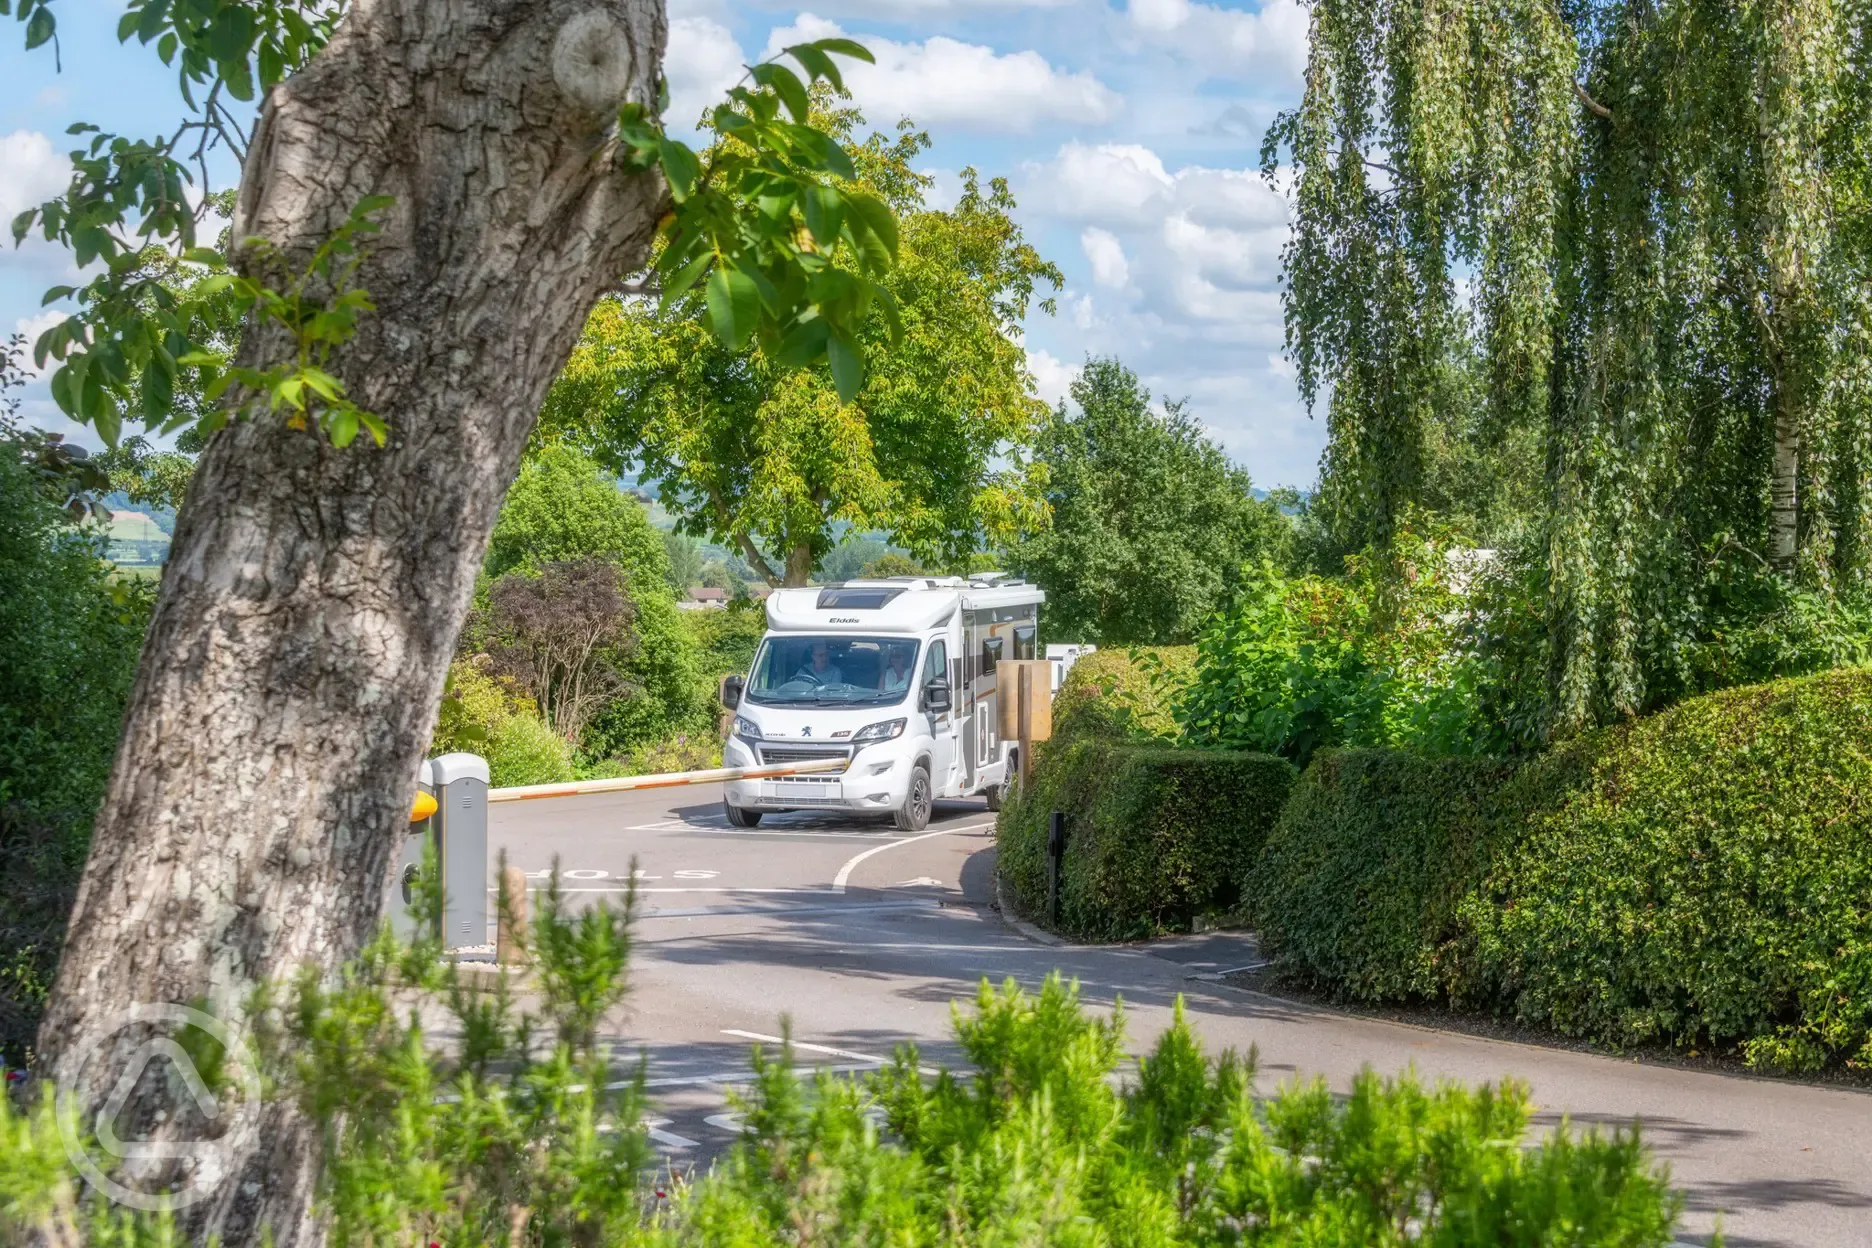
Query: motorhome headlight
[[746, 728], [883, 731]]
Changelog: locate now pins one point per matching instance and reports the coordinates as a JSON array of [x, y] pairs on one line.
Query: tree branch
[[758, 561], [1594, 106]]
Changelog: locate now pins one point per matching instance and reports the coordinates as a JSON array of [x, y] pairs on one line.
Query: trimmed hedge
[[1123, 694], [1703, 875], [1155, 837], [1358, 886], [1699, 877]]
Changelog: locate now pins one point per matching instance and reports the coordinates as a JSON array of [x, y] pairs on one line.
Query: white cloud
[[1107, 257], [945, 82], [1053, 377], [32, 327], [1126, 185], [1268, 44], [31, 172], [702, 62]]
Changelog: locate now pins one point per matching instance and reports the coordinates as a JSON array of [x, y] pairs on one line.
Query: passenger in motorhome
[[821, 670], [896, 677]]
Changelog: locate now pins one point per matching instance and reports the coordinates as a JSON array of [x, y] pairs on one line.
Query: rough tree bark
[[313, 596]]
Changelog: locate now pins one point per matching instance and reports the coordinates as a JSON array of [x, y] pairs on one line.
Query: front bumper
[[875, 780]]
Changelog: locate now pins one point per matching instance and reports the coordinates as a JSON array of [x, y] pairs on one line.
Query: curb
[[1020, 926]]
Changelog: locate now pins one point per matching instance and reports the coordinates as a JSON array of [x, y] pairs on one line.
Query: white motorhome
[[894, 676]]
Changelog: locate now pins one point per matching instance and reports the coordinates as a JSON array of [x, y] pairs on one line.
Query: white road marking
[[668, 1139], [730, 1122], [696, 875], [844, 873], [732, 1078], [921, 881], [801, 1044], [820, 1048]]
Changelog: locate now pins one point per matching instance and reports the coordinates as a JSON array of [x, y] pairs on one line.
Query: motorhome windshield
[[832, 671]]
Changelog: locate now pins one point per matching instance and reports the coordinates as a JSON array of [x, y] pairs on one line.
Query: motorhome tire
[[994, 794], [914, 814], [740, 816]]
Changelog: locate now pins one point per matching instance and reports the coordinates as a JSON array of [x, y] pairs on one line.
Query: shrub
[[1700, 876], [489, 715], [1155, 837], [1034, 1141], [1373, 658], [70, 636], [1358, 885], [1123, 693], [697, 751]]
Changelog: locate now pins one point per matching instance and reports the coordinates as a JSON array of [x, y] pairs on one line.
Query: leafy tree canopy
[[1633, 233], [767, 459], [563, 509], [1151, 524]]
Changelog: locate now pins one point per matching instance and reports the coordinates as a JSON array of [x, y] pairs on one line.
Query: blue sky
[[1130, 131]]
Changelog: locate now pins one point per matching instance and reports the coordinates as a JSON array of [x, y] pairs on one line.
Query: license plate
[[785, 789]]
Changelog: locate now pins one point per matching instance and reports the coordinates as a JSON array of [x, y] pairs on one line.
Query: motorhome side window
[[936, 665], [1024, 642], [991, 654]]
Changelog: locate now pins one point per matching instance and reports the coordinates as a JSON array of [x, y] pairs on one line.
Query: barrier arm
[[624, 784]]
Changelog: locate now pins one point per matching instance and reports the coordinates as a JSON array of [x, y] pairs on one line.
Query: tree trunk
[[1784, 484], [799, 563], [310, 607]]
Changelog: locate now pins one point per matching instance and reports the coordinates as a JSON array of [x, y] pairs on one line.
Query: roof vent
[[856, 597]]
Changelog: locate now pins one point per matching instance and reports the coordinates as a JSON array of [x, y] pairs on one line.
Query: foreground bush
[[1123, 694], [520, 1135], [1358, 885], [1155, 837], [70, 635], [1700, 877]]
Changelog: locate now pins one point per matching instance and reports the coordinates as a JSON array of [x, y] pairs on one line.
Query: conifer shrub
[[1155, 836], [520, 1133]]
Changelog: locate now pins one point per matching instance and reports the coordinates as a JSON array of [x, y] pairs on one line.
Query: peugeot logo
[[805, 732]]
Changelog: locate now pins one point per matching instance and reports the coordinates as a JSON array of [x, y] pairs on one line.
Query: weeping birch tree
[[1637, 228]]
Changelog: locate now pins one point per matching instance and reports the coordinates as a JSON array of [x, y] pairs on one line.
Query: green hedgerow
[[1155, 837], [1359, 882], [1700, 876]]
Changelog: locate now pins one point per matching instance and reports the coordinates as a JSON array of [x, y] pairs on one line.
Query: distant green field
[[136, 540]]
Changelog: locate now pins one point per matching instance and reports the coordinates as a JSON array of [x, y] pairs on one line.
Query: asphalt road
[[863, 936]]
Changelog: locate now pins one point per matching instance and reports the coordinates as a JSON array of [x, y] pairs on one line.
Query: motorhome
[[895, 679]]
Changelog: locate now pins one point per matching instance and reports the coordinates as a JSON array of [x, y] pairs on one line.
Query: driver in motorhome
[[820, 669]]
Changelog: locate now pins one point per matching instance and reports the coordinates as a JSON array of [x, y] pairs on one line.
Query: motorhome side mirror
[[731, 692], [936, 695]]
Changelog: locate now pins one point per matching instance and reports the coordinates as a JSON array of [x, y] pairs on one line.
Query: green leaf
[[825, 214], [846, 47], [342, 427], [733, 305], [847, 365], [817, 64], [681, 283], [784, 83], [877, 218], [158, 391], [150, 21], [56, 293], [680, 168], [804, 343], [40, 27]]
